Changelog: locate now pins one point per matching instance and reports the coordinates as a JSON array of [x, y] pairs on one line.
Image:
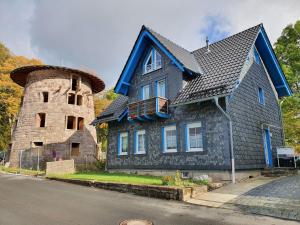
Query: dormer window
[[152, 62]]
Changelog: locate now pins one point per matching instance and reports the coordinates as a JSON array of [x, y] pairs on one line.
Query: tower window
[[74, 84], [79, 99], [38, 143], [75, 150], [80, 123], [71, 122], [41, 120], [71, 98], [45, 96]]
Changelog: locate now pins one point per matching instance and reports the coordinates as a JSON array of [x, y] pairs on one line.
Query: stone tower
[[55, 118]]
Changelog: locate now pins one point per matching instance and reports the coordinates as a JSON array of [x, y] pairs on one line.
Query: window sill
[[170, 151], [195, 150], [140, 153]]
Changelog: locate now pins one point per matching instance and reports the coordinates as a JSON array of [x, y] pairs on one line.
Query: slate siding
[[248, 115], [216, 142]]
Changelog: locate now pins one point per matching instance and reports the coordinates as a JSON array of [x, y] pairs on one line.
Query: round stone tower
[[55, 118]]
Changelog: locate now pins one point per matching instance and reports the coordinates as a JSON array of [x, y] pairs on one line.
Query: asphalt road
[[31, 201]]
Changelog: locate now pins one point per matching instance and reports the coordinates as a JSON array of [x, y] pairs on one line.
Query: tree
[[10, 92], [287, 49], [100, 104]]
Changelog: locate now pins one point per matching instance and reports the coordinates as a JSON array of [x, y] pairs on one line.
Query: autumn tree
[[10, 92], [287, 48]]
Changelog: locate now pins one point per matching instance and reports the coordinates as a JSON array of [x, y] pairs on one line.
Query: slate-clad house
[[213, 110]]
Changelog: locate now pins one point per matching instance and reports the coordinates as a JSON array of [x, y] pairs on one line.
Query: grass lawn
[[23, 171], [114, 177]]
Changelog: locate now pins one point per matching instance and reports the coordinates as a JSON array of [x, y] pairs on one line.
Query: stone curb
[[153, 191]]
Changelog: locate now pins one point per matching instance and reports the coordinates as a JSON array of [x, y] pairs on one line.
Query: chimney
[[207, 44]]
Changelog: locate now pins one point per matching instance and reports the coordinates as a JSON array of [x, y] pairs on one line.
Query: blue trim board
[[269, 147], [124, 113], [119, 143], [134, 141], [163, 139], [186, 143], [136, 53], [268, 56]]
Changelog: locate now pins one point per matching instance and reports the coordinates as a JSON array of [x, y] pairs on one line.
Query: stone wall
[[248, 117], [55, 137], [60, 167], [170, 193]]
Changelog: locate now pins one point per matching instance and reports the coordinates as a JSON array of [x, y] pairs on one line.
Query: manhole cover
[[136, 222]]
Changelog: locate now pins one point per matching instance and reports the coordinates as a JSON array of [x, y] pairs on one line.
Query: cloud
[[99, 35]]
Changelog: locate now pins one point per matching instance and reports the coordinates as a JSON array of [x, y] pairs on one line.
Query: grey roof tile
[[221, 66], [113, 111]]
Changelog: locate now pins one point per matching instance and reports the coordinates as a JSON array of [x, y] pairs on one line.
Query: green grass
[[23, 171], [113, 177]]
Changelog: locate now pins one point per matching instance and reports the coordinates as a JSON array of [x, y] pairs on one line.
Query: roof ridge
[[150, 29], [260, 24]]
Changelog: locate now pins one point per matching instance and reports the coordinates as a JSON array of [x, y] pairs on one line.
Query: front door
[[268, 147]]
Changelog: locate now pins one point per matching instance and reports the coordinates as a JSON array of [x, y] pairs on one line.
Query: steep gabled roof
[[221, 66], [183, 55], [182, 58]]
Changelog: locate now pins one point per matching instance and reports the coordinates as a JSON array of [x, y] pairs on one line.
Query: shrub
[[201, 180], [168, 180], [178, 179]]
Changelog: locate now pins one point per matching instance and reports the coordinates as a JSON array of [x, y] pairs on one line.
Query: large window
[[152, 62], [145, 92], [161, 88], [169, 139], [71, 122], [194, 137], [123, 143], [261, 96], [140, 139]]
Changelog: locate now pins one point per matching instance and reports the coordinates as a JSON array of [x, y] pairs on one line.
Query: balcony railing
[[151, 67], [148, 109]]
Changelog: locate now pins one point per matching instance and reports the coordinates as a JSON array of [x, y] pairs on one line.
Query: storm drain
[[136, 222]]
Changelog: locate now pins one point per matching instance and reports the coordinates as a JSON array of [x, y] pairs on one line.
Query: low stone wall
[[60, 167], [171, 193]]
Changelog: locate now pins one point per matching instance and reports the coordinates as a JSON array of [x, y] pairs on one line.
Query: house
[[55, 118], [213, 110]]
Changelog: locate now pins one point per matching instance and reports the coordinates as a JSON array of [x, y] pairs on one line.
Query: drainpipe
[[216, 100]]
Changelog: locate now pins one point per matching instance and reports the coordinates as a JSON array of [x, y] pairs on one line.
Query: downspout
[[216, 100]]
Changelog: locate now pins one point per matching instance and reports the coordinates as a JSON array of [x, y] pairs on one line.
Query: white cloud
[[100, 34]]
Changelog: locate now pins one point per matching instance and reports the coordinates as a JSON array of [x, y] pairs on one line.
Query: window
[[256, 56], [140, 139], [194, 138], [261, 96], [45, 96], [169, 139], [75, 149], [38, 144], [145, 92], [152, 62], [71, 98], [74, 84], [41, 120], [79, 100], [123, 143], [71, 122], [161, 88], [80, 123]]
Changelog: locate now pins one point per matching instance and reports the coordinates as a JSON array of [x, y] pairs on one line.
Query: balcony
[[149, 109]]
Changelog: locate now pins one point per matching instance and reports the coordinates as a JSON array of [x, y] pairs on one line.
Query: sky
[[98, 35]]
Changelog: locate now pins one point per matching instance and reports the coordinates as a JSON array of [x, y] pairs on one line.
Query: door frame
[[267, 147]]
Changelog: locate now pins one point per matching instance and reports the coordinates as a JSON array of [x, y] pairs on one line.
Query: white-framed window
[[161, 88], [140, 144], [146, 92], [152, 62], [256, 55], [123, 143], [170, 139], [194, 137]]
